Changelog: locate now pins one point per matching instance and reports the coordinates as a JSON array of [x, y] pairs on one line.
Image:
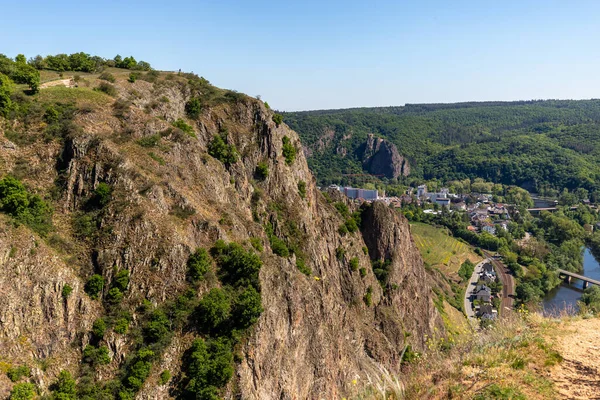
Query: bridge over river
[[568, 275]]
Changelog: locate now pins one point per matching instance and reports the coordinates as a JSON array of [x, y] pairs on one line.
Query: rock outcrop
[[317, 338], [380, 157]]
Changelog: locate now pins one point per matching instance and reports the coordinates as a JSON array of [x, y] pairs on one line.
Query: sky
[[307, 55]]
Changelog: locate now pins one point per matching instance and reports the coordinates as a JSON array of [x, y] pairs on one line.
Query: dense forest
[[540, 145]]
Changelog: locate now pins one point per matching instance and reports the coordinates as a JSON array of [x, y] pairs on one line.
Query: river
[[565, 296]]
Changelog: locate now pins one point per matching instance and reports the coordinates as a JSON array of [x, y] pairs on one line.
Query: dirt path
[[578, 375], [61, 82]]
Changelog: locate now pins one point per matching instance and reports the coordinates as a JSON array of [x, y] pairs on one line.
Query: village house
[[487, 311], [489, 228], [483, 294]]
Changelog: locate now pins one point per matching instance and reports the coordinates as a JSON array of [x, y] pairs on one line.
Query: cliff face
[[381, 157], [316, 334]]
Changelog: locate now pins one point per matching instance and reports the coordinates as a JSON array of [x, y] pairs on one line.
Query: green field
[[439, 249]]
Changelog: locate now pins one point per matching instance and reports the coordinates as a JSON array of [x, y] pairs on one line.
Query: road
[[468, 306], [508, 284]]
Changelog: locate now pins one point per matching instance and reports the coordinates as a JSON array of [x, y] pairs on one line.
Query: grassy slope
[[441, 250], [512, 360]]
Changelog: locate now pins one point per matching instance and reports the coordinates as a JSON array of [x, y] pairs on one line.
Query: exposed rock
[[316, 334], [380, 157]]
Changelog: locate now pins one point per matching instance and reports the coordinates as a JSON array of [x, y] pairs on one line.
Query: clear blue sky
[[310, 54]]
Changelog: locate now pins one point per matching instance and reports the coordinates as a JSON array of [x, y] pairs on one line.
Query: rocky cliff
[[322, 333], [381, 157]]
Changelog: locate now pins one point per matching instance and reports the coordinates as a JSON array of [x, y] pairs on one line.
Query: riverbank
[[564, 298]]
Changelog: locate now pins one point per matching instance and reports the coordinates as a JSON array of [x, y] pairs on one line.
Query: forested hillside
[[538, 145]]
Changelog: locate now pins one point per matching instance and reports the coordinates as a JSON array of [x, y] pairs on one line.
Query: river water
[[565, 296]]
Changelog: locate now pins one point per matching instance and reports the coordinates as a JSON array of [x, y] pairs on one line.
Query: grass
[[439, 249], [81, 95], [507, 361]]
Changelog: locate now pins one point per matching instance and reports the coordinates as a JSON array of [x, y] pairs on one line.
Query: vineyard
[[439, 249]]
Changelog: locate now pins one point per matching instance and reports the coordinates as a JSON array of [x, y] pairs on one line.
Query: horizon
[[338, 55]]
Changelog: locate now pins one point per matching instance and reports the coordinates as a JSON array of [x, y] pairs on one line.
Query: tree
[[23, 391], [81, 62], [6, 87], [37, 62], [289, 151], [28, 75], [94, 286], [247, 308], [64, 388], [210, 367], [193, 108], [198, 264], [20, 59], [214, 309], [98, 329]]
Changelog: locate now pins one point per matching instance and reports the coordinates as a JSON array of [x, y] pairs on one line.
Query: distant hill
[[534, 144]]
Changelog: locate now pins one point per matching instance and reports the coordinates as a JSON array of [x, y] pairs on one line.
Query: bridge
[[567, 275]]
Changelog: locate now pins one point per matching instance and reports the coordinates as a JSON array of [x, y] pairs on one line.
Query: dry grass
[[511, 360]]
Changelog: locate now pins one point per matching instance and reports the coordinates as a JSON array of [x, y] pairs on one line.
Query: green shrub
[[363, 272], [157, 158], [342, 209], [6, 88], [365, 250], [23, 391], [198, 264], [247, 307], [102, 195], [278, 119], [193, 108], [96, 355], [107, 76], [267, 106], [226, 153], [351, 225], [25, 207], [107, 88], [340, 252], [368, 297], [238, 267], [210, 367], [139, 370], [94, 286], [354, 263], [183, 126], [158, 328], [302, 189], [15, 374], [466, 270], [66, 291], [133, 76], [121, 326], [257, 244], [302, 267], [149, 141], [381, 269], [64, 388], [289, 151], [262, 170], [99, 329], [85, 226], [343, 230], [214, 309], [114, 296], [165, 377], [278, 246], [121, 280]]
